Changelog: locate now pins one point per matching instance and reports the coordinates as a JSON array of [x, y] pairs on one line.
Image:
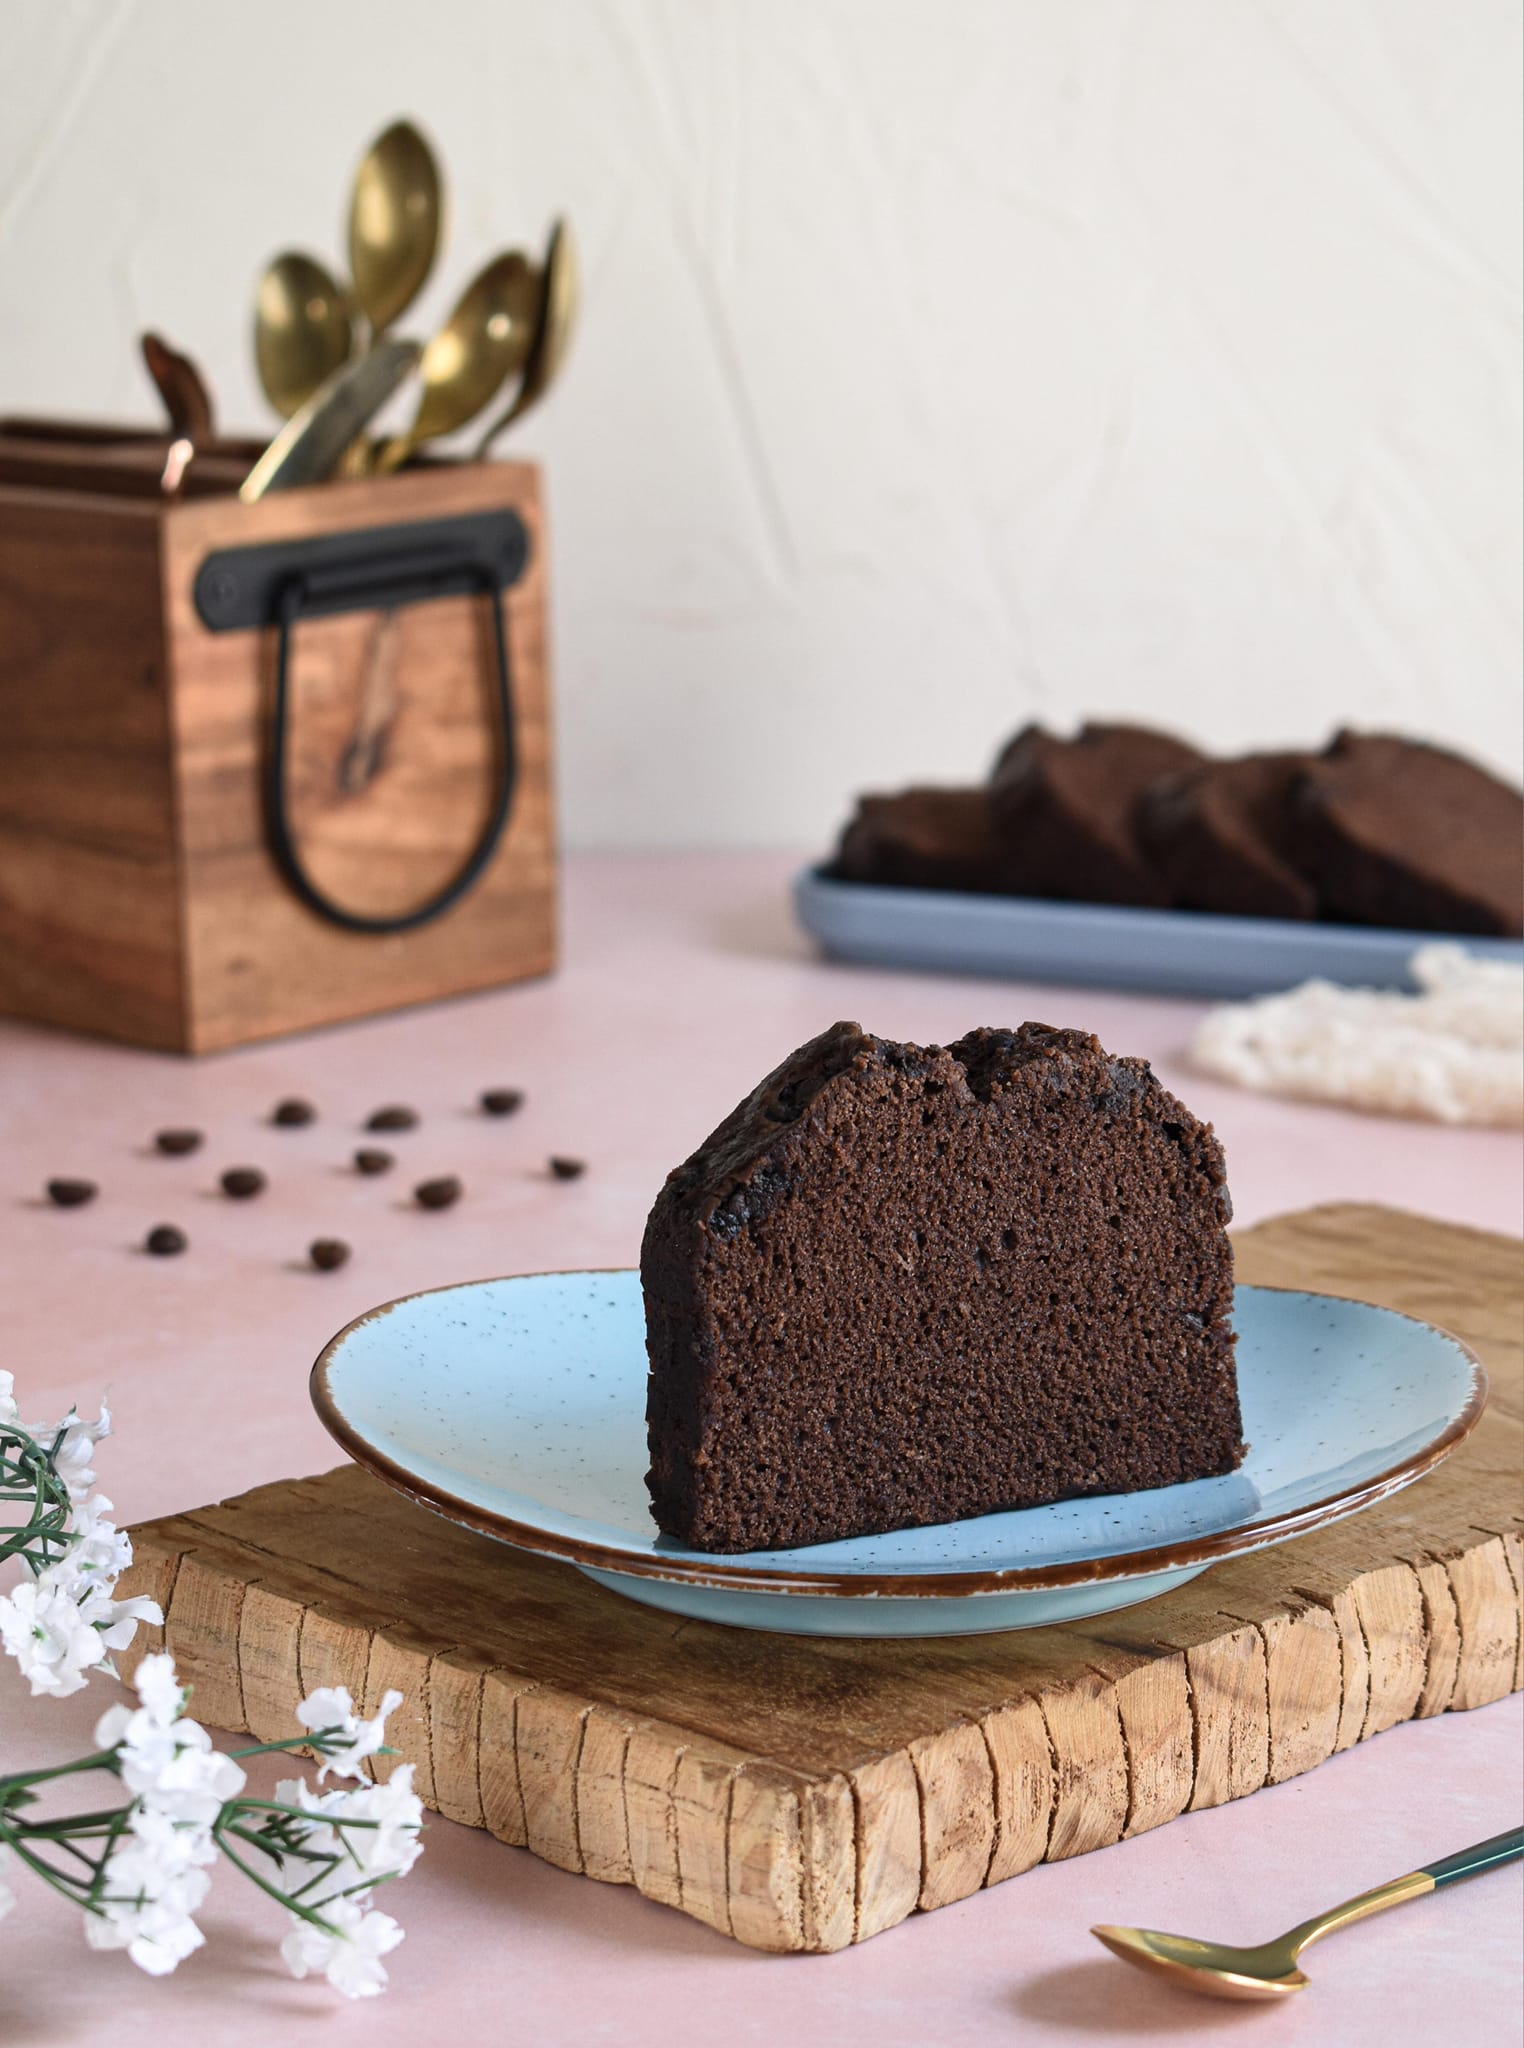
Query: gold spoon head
[[560, 292], [563, 293], [1209, 1967], [395, 215], [302, 330], [485, 341]]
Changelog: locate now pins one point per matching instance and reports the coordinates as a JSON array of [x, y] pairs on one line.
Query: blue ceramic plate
[[518, 1408], [1096, 945]]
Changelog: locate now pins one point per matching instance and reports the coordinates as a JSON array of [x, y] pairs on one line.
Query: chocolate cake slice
[[920, 839], [1398, 833], [1222, 837], [1064, 812], [904, 1284]]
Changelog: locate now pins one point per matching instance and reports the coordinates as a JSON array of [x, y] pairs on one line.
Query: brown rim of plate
[[1198, 1551]]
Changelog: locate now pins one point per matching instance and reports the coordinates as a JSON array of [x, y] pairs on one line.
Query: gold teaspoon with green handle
[[303, 330], [396, 213], [1270, 1971], [485, 341]]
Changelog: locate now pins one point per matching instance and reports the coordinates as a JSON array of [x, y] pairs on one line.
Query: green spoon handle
[[1504, 1848]]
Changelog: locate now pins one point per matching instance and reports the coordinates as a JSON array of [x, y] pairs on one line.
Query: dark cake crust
[[905, 1284], [1223, 838], [1064, 812], [1402, 834], [920, 838]]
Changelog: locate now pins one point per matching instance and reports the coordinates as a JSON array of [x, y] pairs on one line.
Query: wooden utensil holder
[[265, 767]]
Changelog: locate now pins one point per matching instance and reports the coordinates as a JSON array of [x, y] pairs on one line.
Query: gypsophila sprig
[[62, 1621], [140, 1869]]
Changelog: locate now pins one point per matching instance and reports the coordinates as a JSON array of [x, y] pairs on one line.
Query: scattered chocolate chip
[[328, 1253], [568, 1169], [293, 1112], [395, 1117], [178, 1143], [438, 1194], [502, 1101], [371, 1159], [164, 1240], [242, 1181], [71, 1194]]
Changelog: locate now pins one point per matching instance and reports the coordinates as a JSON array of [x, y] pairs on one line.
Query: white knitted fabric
[[1453, 1052]]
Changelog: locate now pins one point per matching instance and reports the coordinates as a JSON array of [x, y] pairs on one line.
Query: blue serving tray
[[1098, 945]]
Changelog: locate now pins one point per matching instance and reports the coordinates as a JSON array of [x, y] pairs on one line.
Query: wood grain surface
[[803, 1793]]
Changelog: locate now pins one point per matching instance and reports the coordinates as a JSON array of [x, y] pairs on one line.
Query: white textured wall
[[944, 363]]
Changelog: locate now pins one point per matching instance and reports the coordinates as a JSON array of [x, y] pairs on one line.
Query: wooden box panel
[[800, 1793], [90, 929], [138, 897]]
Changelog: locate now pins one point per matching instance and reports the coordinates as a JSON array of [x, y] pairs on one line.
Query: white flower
[[350, 1958], [7, 1896], [168, 1763], [100, 1552], [351, 1740], [393, 1846], [155, 1877], [66, 1622], [152, 1888], [71, 1460], [9, 1412], [158, 1687], [44, 1629], [371, 1831]]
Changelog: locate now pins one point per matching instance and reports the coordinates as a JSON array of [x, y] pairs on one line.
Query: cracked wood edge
[[785, 1859]]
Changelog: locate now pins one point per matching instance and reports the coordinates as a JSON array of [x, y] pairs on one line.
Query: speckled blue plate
[[518, 1408], [1103, 945]]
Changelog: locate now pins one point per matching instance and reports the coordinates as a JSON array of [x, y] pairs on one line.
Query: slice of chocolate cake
[[920, 839], [902, 1284], [1398, 833], [1222, 837], [1064, 812]]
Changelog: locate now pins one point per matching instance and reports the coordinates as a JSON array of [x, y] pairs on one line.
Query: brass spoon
[[485, 341], [395, 216], [302, 330], [1270, 1971], [558, 316], [314, 440]]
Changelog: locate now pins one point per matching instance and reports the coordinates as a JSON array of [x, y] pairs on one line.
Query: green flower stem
[[273, 1891], [61, 1880], [80, 1824], [103, 1760]]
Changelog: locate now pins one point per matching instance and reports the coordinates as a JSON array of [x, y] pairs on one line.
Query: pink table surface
[[683, 982]]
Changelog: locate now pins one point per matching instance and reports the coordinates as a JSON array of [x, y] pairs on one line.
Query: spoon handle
[[1415, 1884], [1504, 1848]]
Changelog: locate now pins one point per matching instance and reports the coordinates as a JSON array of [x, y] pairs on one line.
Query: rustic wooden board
[[805, 1794]]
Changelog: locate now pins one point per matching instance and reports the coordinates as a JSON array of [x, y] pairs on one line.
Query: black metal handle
[[377, 583]]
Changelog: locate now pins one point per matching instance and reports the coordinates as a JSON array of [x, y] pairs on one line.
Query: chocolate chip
[[328, 1253], [501, 1101], [292, 1113], [568, 1169], [438, 1194], [164, 1240], [71, 1194], [178, 1143], [395, 1117], [371, 1159], [242, 1181]]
